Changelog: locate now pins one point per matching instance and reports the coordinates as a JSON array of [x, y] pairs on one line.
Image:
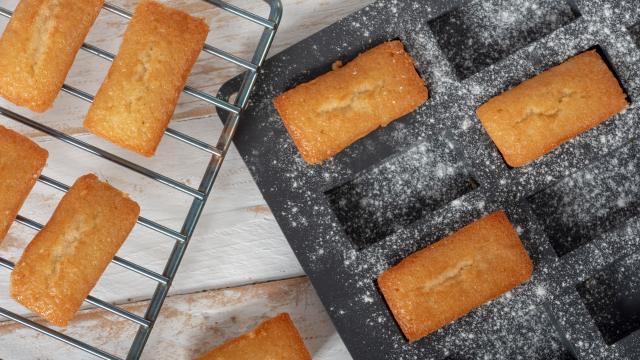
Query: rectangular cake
[[136, 101], [326, 115], [276, 338], [446, 280], [39, 46], [66, 259], [21, 162], [543, 112]]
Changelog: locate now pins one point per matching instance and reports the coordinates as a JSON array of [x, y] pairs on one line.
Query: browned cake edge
[[412, 334]]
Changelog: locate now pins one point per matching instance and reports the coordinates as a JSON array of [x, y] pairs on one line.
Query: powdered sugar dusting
[[380, 201], [382, 180]]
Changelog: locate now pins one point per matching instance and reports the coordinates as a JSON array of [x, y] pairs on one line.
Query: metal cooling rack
[[200, 194]]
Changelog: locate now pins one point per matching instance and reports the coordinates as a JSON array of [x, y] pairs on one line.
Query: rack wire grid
[[200, 194]]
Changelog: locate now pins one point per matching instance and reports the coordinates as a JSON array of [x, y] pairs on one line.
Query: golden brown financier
[[39, 46], [67, 257], [21, 162], [446, 280], [136, 101], [275, 338]]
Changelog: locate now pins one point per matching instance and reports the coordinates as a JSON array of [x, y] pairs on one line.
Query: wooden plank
[[190, 324]]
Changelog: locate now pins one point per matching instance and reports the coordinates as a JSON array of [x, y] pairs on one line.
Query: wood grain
[[190, 325], [237, 241]]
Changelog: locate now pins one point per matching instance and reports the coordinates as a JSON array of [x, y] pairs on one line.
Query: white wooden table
[[239, 268]]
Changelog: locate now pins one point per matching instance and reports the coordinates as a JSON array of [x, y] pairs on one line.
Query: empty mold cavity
[[590, 202], [481, 33], [403, 189], [612, 297]]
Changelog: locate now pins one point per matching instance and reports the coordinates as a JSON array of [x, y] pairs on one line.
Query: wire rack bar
[[28, 223], [5, 12], [221, 4], [162, 229], [102, 153], [77, 93], [207, 48], [229, 57], [6, 264], [200, 195], [94, 50], [118, 311], [206, 184]]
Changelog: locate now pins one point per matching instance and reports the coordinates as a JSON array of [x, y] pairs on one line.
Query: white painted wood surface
[[190, 325], [237, 241]]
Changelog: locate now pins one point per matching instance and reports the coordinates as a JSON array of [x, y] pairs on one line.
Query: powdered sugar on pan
[[480, 34], [383, 200], [404, 187]]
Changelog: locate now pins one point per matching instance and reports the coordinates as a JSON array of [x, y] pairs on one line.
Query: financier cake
[[39, 46], [543, 112], [446, 280], [66, 259], [21, 162], [329, 113], [276, 338], [136, 102]]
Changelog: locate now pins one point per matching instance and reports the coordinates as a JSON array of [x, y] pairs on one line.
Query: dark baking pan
[[435, 170]]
